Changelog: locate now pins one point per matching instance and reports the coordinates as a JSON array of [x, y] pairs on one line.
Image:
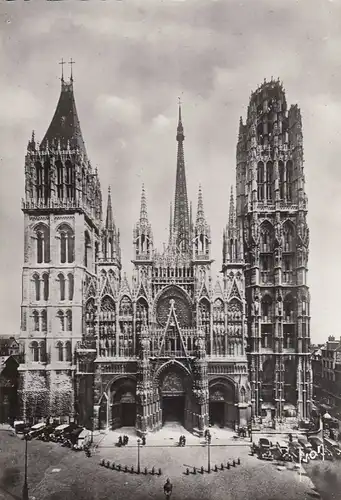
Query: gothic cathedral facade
[[171, 344]]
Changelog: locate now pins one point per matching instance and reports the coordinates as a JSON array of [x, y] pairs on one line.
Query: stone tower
[[271, 211], [62, 214]]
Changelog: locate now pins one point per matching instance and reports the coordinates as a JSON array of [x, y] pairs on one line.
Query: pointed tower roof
[[109, 222], [181, 215], [65, 128], [143, 209]]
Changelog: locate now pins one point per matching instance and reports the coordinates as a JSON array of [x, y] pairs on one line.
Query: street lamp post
[[138, 455], [208, 439], [25, 487], [326, 417]]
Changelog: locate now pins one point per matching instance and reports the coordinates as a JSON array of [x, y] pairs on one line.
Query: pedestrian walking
[[168, 488]]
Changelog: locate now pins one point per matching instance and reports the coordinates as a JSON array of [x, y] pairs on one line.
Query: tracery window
[[35, 316], [39, 180], [281, 179], [46, 286], [69, 179], [69, 320], [44, 321], [266, 308], [34, 351], [67, 250], [60, 179], [269, 180], [68, 352], [61, 318], [289, 180], [43, 243], [60, 351], [260, 181]]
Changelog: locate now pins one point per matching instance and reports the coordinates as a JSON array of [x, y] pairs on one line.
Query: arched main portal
[[123, 403], [175, 386], [222, 403]]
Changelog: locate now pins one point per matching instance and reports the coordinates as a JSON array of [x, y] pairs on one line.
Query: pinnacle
[[143, 210], [200, 211], [232, 215], [109, 224]]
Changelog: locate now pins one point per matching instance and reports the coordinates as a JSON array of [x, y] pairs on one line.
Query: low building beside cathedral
[[172, 344]]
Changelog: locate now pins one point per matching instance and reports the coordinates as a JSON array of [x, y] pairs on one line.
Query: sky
[[133, 60]]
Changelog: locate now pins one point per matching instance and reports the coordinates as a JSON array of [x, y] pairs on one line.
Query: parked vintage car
[[37, 430], [263, 449], [306, 446], [47, 432], [319, 448], [58, 434], [297, 452], [281, 451], [333, 447]]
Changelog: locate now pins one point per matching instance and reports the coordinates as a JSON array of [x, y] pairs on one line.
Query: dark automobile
[[263, 449], [319, 448], [281, 451], [297, 452], [305, 444], [333, 447]]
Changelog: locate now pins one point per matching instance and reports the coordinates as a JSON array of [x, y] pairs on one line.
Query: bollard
[[119, 467], [102, 462], [238, 461], [187, 471], [145, 470], [234, 463], [132, 469], [228, 465], [153, 471], [194, 470], [202, 469], [215, 468], [221, 466], [108, 464], [126, 468], [160, 472], [113, 466]]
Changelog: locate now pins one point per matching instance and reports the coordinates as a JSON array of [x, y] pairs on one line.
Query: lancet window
[[67, 250], [269, 180], [42, 235], [260, 181], [46, 286]]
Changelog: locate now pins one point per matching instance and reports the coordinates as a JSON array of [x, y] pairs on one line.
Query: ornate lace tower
[[62, 216], [272, 204]]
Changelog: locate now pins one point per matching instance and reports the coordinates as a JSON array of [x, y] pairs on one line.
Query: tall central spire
[[181, 226]]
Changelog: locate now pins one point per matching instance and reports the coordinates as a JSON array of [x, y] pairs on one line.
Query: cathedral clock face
[[181, 305]]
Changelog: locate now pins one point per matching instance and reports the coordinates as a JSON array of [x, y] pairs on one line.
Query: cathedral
[[171, 343]]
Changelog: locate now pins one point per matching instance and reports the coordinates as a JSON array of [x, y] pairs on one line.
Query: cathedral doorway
[[175, 388], [173, 409], [222, 403], [217, 413], [123, 405]]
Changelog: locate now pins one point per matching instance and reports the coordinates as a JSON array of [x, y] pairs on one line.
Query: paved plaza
[[57, 473]]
